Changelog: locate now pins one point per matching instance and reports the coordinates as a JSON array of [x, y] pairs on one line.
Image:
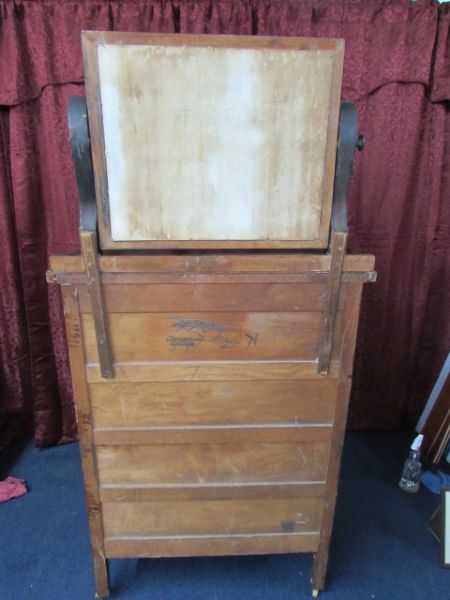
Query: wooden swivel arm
[[347, 142], [81, 153]]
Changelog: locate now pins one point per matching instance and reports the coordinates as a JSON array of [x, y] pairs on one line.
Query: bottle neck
[[414, 454]]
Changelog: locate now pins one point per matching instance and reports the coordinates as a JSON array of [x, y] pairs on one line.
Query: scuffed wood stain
[[214, 143]]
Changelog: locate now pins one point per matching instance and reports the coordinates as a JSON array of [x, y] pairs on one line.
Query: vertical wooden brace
[[81, 154], [89, 249], [337, 250]]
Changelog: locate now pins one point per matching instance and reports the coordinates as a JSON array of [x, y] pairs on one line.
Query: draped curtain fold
[[397, 70]]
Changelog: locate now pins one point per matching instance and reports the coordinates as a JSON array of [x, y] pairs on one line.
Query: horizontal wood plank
[[165, 371], [218, 434], [128, 405], [200, 491], [213, 41], [213, 263], [212, 463], [210, 517], [275, 297], [134, 547], [219, 336], [208, 278]]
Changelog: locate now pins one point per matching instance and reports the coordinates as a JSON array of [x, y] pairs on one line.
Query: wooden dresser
[[211, 380]]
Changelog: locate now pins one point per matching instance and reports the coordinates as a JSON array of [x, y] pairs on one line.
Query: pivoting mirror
[[212, 141]]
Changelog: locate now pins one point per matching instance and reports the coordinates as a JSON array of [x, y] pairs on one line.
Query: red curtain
[[397, 70]]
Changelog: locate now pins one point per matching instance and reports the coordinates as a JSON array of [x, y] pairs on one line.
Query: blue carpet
[[381, 547]]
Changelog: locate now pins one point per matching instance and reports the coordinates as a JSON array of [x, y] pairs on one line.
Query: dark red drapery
[[397, 70]]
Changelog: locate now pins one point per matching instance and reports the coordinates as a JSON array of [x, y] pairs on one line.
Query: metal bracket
[[81, 154], [347, 142]]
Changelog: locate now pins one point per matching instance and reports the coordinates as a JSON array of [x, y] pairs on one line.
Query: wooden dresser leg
[[101, 575], [84, 422], [320, 568]]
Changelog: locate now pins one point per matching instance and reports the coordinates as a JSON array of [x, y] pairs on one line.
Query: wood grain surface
[[128, 405], [214, 263], [211, 517], [210, 545], [232, 370], [139, 337], [221, 145], [213, 463]]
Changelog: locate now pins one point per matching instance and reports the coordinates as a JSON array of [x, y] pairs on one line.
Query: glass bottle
[[412, 469]]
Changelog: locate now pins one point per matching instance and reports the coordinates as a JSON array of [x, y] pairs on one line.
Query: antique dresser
[[211, 317]]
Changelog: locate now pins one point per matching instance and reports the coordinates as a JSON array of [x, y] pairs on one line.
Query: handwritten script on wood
[[191, 333]]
